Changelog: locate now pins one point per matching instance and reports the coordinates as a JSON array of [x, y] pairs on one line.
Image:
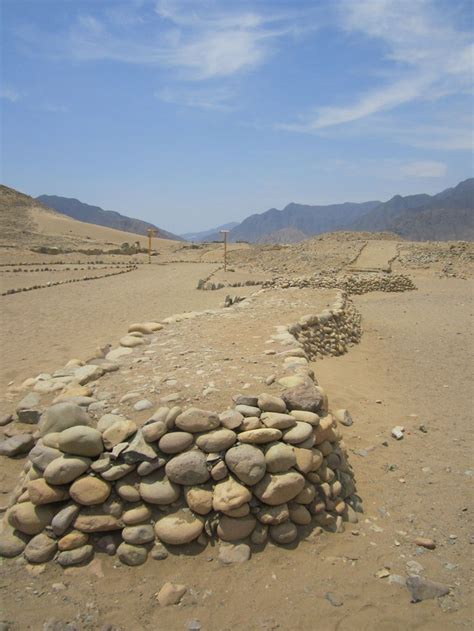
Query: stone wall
[[330, 332], [352, 284], [271, 467]]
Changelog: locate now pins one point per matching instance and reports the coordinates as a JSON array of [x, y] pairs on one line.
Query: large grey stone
[[65, 469], [40, 549], [306, 397], [81, 441], [139, 450], [217, 440], [156, 488], [16, 445], [188, 468], [196, 420], [78, 556], [247, 463], [41, 456], [61, 416]]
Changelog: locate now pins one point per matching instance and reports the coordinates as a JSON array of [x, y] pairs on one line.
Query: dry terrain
[[412, 367]]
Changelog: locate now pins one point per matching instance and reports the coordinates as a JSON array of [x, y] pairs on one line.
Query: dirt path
[[40, 330], [375, 256]]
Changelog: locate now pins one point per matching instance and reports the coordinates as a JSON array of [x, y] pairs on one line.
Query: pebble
[[343, 417], [425, 543], [159, 552], [424, 589], [334, 599], [143, 404], [230, 554], [132, 554], [398, 432], [170, 594]]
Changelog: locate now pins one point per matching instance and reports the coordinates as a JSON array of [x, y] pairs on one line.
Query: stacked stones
[[329, 332], [270, 468], [129, 268], [356, 284]]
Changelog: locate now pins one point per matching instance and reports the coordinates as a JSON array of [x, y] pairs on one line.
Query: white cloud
[[200, 40], [424, 169], [429, 58], [10, 94]]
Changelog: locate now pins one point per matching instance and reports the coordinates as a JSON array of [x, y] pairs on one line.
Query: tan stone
[[40, 492], [260, 436], [279, 488], [230, 529], [229, 495], [136, 515], [118, 433], [89, 491], [71, 541], [199, 499], [179, 528]]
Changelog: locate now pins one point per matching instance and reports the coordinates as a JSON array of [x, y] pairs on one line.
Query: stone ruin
[[271, 468]]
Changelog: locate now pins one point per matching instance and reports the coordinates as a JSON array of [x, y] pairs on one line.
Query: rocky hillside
[[100, 217], [285, 235], [449, 215], [310, 220]]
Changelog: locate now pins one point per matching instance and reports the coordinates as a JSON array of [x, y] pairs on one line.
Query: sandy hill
[[27, 223], [95, 214]]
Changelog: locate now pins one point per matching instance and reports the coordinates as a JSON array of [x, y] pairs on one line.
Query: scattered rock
[[229, 554], [16, 445], [424, 589], [170, 594], [132, 554]]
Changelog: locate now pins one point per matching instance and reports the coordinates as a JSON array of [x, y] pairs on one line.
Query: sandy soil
[[414, 357]]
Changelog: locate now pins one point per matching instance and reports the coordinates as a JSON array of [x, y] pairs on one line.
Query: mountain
[[209, 235], [283, 236], [26, 223], [310, 220], [447, 216], [100, 217]]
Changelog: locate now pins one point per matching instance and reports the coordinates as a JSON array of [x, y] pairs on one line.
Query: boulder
[[62, 416], [306, 397]]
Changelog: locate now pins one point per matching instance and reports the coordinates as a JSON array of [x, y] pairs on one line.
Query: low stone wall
[[356, 284], [330, 332], [128, 268], [269, 468]]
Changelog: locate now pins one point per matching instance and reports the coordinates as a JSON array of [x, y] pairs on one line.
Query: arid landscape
[[394, 349]]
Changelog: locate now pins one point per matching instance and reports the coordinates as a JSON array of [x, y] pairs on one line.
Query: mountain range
[[449, 215], [100, 217]]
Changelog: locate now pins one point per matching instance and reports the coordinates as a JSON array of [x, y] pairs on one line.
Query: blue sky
[[194, 113]]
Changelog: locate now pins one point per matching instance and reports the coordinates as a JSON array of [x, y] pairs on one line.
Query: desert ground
[[412, 368]]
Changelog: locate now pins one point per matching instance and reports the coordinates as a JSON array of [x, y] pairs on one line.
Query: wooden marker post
[[151, 233], [225, 233]]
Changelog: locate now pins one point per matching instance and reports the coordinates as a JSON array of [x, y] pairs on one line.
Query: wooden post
[[151, 232], [225, 233]]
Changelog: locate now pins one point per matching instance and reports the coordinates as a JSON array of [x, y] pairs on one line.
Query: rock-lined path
[[375, 257]]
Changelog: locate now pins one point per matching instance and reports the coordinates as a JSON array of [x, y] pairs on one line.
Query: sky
[[193, 113]]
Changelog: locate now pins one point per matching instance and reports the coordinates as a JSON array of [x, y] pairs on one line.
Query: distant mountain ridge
[[446, 216], [310, 220], [209, 235], [96, 215]]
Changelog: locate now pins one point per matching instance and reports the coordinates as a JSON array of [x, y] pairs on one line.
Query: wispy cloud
[[427, 57], [10, 94], [200, 40], [217, 98]]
